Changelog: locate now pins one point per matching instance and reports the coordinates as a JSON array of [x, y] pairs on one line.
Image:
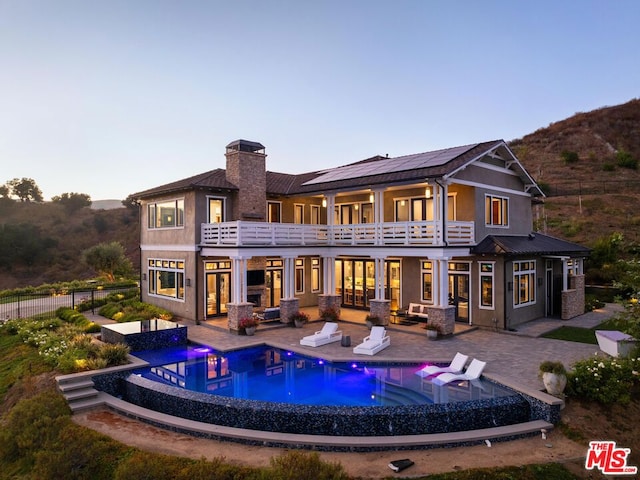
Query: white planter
[[553, 383], [250, 331], [615, 343]]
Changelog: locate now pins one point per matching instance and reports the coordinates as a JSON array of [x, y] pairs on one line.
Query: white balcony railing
[[241, 233]]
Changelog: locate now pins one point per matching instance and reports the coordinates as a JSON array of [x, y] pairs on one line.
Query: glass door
[[392, 284], [356, 282], [218, 293], [459, 295], [273, 283]]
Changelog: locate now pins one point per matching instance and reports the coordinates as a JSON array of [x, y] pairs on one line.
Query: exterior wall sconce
[[427, 192], [324, 202], [356, 206], [188, 282], [371, 198], [144, 276]]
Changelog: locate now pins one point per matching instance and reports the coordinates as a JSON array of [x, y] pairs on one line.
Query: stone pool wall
[[324, 420]]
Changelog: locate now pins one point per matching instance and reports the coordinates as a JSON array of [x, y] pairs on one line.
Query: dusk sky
[[113, 97]]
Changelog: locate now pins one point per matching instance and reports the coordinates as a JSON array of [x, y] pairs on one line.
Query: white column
[[288, 278], [565, 275], [329, 275], [379, 278], [443, 281], [445, 211], [239, 279]]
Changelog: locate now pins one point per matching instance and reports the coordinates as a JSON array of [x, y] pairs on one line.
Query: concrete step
[[69, 386], [80, 394], [86, 403]]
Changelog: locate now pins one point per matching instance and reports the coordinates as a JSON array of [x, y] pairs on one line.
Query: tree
[[131, 203], [72, 202], [26, 189], [108, 259]]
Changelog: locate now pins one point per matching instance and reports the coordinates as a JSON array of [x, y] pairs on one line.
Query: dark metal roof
[[532, 244], [245, 146], [212, 180]]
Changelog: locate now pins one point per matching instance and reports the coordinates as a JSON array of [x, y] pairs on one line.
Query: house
[[451, 229]]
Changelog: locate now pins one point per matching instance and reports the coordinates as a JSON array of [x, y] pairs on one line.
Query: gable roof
[[532, 244]]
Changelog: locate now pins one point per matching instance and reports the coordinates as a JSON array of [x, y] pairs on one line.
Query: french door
[[218, 293]]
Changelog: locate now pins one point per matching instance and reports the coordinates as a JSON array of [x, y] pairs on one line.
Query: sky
[[112, 97]]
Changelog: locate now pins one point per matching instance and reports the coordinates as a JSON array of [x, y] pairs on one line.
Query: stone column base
[[235, 313], [288, 306], [329, 301], [380, 309], [443, 317]]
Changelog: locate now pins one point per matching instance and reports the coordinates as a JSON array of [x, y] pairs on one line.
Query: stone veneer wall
[[380, 309], [236, 312], [443, 317], [247, 171], [573, 299], [329, 301], [288, 306]]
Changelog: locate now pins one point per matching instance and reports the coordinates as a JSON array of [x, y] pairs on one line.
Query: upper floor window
[[420, 209], [166, 214], [298, 213], [274, 212], [315, 214], [216, 210], [496, 211]]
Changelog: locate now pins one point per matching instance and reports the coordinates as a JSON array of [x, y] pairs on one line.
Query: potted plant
[[554, 377], [330, 314], [249, 325], [372, 320], [299, 319], [432, 330]]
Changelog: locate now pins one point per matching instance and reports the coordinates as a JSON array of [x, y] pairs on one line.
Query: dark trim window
[[168, 214], [427, 281], [315, 275], [274, 212], [216, 210], [166, 278], [299, 273]]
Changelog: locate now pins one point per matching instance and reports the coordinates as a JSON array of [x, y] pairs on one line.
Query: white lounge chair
[[328, 334], [473, 372], [376, 341], [456, 366]]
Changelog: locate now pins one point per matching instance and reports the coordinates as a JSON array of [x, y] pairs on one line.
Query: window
[[298, 213], [216, 210], [299, 275], [166, 278], [427, 281], [496, 211], [315, 275], [420, 209], [524, 283], [486, 285], [315, 214], [166, 214], [274, 210]]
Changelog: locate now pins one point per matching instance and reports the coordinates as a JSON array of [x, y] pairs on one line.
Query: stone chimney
[[246, 169]]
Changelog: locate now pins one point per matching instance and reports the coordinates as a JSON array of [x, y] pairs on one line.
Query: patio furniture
[[456, 366], [473, 372], [373, 343], [269, 314], [328, 334]]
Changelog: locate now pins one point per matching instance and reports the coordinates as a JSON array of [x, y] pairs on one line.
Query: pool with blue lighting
[[273, 375]]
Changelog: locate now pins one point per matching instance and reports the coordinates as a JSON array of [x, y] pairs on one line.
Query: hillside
[[43, 243], [578, 161]]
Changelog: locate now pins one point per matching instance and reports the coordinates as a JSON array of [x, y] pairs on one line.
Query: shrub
[[248, 322], [569, 156], [608, 167], [295, 465], [549, 366], [604, 380], [114, 354], [625, 160], [372, 319], [299, 317], [31, 424], [330, 314]]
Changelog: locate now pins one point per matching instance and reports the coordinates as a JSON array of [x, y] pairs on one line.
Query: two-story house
[[451, 229]]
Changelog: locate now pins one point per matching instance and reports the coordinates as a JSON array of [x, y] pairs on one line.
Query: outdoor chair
[[473, 372], [456, 366], [373, 343], [328, 334]]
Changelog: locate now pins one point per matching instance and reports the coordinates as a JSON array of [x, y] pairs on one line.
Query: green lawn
[[578, 334]]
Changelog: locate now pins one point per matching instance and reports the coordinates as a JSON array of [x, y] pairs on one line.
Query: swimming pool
[[272, 375], [189, 383]]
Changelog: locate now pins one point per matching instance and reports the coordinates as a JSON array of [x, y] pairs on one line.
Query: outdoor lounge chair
[[456, 366], [328, 334], [473, 372], [376, 341]]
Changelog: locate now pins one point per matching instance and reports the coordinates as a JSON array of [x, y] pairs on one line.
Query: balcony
[[251, 234]]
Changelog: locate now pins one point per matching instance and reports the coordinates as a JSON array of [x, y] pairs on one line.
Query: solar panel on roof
[[391, 165]]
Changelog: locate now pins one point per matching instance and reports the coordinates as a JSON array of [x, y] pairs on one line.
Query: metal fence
[[596, 187], [25, 305]]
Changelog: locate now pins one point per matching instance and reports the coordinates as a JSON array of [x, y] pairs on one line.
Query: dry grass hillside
[[43, 243], [580, 161]]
